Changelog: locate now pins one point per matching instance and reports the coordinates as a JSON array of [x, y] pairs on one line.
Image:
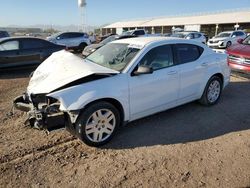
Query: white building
[[209, 23]]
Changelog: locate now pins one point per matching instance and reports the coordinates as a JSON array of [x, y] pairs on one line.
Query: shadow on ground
[[14, 73], [190, 122]]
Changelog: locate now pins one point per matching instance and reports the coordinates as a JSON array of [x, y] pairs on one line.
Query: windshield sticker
[[138, 46]]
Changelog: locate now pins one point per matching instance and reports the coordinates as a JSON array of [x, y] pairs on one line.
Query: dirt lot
[[189, 146]]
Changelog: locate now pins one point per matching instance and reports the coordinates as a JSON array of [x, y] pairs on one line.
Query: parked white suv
[[120, 82], [190, 35], [226, 39], [72, 40]]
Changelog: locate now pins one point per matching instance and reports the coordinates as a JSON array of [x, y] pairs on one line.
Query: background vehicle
[[23, 51], [93, 47], [136, 32], [239, 55], [4, 34], [101, 38], [123, 81], [72, 40], [191, 35], [226, 39]]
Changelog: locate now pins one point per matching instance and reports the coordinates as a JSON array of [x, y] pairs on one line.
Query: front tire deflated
[[98, 123]]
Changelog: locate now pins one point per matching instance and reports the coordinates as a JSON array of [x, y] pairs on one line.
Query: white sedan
[[226, 39], [122, 81]]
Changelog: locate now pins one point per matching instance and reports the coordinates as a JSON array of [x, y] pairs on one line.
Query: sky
[[100, 12]]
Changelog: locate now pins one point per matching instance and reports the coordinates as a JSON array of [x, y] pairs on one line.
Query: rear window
[[186, 53], [9, 45], [34, 43]]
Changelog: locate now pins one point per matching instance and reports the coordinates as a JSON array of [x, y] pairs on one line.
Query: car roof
[[23, 37], [143, 41]]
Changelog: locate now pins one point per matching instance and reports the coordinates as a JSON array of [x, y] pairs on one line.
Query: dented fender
[[77, 97]]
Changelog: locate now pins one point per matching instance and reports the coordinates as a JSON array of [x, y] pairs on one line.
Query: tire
[[81, 47], [98, 123], [229, 43], [212, 91]]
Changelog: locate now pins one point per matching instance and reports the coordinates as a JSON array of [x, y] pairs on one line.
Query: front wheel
[[98, 123], [229, 43], [212, 92]]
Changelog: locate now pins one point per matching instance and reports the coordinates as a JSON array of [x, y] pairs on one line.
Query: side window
[[158, 58], [64, 36], [139, 32], [197, 35], [31, 44], [9, 45], [186, 53], [238, 34], [76, 35]]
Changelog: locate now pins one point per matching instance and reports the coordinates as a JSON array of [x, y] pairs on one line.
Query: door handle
[[172, 72]]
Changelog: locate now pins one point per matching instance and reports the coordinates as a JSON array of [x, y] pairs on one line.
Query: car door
[[191, 70], [151, 93], [31, 50], [10, 53]]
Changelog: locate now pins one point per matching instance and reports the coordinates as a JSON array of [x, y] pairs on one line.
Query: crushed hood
[[60, 69]]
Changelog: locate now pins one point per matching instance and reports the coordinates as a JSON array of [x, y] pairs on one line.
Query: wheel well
[[112, 101], [220, 76], [83, 43]]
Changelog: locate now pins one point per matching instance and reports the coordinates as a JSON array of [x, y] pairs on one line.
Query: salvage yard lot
[[188, 146]]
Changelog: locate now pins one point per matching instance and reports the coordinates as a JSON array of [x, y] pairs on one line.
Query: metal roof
[[226, 17]]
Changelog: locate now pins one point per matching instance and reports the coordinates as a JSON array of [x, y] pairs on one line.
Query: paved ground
[[189, 146]]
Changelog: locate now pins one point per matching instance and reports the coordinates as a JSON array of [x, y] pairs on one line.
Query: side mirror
[[240, 41], [58, 38], [233, 36], [142, 69]]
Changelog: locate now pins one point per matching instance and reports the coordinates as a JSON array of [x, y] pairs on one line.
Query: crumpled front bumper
[[43, 118]]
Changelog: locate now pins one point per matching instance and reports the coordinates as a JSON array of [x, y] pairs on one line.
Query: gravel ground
[[188, 146]]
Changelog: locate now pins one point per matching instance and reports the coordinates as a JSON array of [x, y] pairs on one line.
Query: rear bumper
[[43, 118]]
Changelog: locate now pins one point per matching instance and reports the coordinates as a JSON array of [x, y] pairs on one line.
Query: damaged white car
[[123, 81]]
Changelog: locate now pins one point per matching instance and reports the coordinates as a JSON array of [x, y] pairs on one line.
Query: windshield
[[246, 41], [127, 33], [222, 35], [109, 39], [179, 35], [113, 55]]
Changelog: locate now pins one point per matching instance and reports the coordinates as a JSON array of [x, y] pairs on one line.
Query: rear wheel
[[229, 43], [98, 123], [212, 92], [81, 47]]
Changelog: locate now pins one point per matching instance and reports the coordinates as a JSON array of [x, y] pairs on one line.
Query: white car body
[[70, 39], [195, 36], [221, 42], [139, 96]]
